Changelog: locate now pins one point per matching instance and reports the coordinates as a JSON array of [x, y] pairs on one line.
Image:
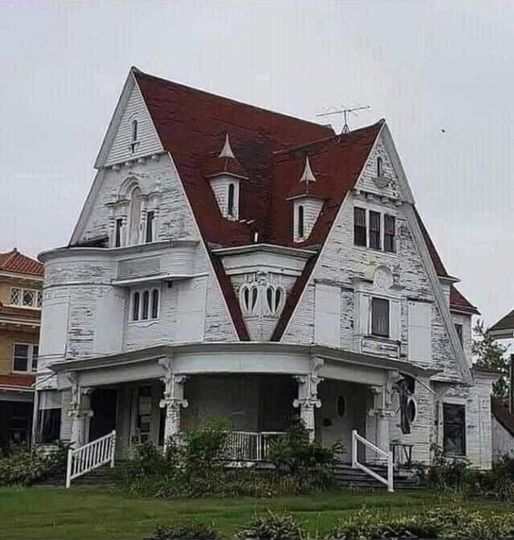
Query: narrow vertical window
[[155, 304], [458, 329], [454, 429], [380, 317], [35, 355], [374, 230], [380, 167], [150, 216], [135, 306], [230, 205], [134, 142], [389, 233], [146, 305], [117, 232], [136, 200], [301, 227], [359, 226]]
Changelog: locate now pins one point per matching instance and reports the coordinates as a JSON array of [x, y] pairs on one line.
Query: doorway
[[104, 405]]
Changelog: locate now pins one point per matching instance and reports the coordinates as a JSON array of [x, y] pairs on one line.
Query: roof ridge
[[138, 73]]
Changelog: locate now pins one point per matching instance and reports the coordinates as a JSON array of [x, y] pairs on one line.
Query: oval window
[[341, 406], [412, 410]]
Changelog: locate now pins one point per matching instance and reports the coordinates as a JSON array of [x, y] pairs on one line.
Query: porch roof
[[242, 357]]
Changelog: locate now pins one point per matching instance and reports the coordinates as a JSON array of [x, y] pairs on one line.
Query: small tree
[[490, 353]]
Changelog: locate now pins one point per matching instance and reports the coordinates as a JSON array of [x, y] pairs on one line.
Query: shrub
[[24, 467], [272, 527], [193, 531]]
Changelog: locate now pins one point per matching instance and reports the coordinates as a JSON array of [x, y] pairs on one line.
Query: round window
[[412, 410], [341, 406]]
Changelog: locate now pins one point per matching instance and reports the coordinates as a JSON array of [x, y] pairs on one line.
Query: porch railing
[[251, 446], [387, 456], [90, 456]]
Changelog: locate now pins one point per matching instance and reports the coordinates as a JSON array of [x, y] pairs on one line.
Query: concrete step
[[348, 477]]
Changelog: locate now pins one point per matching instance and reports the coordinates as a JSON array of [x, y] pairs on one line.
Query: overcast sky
[[424, 66]]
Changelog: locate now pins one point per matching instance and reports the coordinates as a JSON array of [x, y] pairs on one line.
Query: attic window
[[380, 167], [134, 143], [231, 197], [301, 224]]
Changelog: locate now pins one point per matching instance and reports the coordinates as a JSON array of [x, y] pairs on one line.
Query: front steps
[[349, 478], [101, 478]]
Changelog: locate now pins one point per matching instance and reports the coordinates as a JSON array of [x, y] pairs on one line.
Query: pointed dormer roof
[[225, 163], [308, 185], [308, 175]]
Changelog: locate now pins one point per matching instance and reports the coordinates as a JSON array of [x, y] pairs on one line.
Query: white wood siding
[[191, 310], [327, 321], [420, 331]]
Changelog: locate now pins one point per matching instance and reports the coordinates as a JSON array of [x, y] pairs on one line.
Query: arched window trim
[[275, 298], [145, 305], [249, 298]]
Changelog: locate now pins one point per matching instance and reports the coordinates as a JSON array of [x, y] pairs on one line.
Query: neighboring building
[[503, 410], [21, 281], [232, 261]]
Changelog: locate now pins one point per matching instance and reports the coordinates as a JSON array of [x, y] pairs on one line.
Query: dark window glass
[[389, 233], [380, 317], [380, 167], [458, 329], [146, 305], [134, 131], [21, 358], [117, 235], [35, 354], [359, 226], [374, 230], [150, 216], [49, 425], [301, 230], [155, 304], [454, 418], [341, 406], [135, 307], [411, 410], [230, 207]]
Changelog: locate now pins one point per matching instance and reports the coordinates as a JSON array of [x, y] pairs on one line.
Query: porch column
[[80, 413], [173, 401], [382, 412], [307, 400]]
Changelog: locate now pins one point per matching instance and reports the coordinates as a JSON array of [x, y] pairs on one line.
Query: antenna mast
[[345, 111]]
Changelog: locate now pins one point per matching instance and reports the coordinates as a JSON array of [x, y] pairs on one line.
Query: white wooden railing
[[251, 446], [387, 456], [90, 456]]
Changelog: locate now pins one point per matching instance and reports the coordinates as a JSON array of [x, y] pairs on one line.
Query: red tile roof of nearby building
[[271, 149], [505, 323], [18, 381], [17, 263]]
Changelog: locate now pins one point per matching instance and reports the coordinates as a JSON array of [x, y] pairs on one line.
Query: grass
[[37, 514]]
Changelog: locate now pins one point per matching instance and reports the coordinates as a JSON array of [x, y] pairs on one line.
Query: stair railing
[[387, 456], [90, 456]]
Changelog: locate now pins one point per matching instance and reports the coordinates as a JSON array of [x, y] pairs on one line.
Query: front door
[[103, 405]]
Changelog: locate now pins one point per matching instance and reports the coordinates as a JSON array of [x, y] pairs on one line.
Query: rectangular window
[[25, 357], [15, 297], [380, 317], [374, 230], [454, 422], [359, 226], [389, 233], [117, 232], [150, 216], [28, 298], [49, 425], [458, 329]]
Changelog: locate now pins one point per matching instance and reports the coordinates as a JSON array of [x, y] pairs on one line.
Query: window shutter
[[395, 318], [327, 323], [420, 331]]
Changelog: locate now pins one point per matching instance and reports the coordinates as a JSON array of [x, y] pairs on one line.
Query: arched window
[[230, 204], [301, 228], [135, 306], [155, 304], [380, 167], [134, 141], [146, 305], [136, 199]]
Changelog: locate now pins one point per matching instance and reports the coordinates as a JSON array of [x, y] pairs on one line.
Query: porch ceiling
[[236, 358]]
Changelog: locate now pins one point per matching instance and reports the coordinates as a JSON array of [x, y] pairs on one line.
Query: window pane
[[135, 307], [15, 297], [146, 305], [458, 329], [149, 226], [230, 209], [21, 357], [389, 233], [300, 222], [155, 304], [374, 230], [454, 417], [117, 234], [380, 168], [29, 298], [359, 226], [35, 354], [380, 317]]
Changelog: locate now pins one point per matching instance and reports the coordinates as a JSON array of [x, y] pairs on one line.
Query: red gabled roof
[[458, 302], [505, 323], [17, 263]]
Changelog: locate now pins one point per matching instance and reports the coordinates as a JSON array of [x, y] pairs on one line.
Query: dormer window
[[231, 198], [134, 143], [300, 223]]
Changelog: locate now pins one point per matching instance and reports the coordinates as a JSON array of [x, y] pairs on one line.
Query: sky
[[424, 66]]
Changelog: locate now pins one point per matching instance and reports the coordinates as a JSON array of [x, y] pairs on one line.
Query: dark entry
[[103, 405]]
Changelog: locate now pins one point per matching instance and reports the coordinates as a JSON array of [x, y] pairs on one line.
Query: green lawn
[[31, 514]]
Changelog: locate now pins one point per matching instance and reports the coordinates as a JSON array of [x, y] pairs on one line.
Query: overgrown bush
[[272, 527], [193, 531], [445, 472], [24, 467]]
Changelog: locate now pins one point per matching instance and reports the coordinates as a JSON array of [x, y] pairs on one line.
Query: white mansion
[[233, 262]]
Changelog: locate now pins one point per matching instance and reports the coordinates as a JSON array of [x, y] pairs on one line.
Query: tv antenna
[[346, 112]]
